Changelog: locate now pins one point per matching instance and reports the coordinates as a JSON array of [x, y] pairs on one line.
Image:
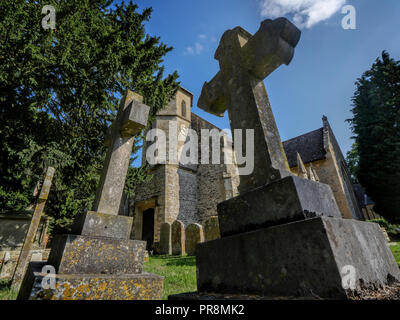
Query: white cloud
[[194, 50], [305, 13], [198, 47]]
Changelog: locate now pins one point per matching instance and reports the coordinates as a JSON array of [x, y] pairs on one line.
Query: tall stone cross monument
[[131, 118], [283, 235], [245, 61], [100, 261]]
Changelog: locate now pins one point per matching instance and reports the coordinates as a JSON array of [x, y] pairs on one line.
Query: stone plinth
[[303, 259], [286, 200], [106, 267], [88, 255], [103, 225], [142, 286]]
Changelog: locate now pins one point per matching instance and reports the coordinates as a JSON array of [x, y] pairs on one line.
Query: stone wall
[[8, 260], [345, 183], [189, 193], [13, 229], [188, 197]]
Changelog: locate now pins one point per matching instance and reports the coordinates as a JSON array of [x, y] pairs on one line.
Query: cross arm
[[134, 118], [212, 98], [271, 46]]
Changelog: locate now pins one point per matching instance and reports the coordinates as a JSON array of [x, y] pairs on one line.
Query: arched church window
[[183, 108]]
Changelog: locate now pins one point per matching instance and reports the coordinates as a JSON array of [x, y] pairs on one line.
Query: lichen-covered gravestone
[[165, 238], [178, 238], [99, 261], [283, 235], [194, 234], [211, 229]]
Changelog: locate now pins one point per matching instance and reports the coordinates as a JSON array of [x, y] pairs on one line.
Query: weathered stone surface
[[194, 234], [178, 238], [131, 118], [245, 61], [286, 200], [165, 239], [211, 229], [8, 260], [26, 251], [297, 259], [143, 286], [90, 255], [301, 169], [103, 225], [13, 229]]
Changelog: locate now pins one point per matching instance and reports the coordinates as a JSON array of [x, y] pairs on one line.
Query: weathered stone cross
[[131, 118], [245, 61]]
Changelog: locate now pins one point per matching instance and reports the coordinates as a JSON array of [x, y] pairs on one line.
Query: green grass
[[5, 290], [396, 252], [179, 273]]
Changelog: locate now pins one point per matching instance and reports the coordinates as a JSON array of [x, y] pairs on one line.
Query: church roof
[[310, 146]]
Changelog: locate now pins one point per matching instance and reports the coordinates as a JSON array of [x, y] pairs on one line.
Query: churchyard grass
[[396, 252], [179, 273], [5, 291]]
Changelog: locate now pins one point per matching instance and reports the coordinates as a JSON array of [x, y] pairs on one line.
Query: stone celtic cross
[[131, 118], [245, 61]]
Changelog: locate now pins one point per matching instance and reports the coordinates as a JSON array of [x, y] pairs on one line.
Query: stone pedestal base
[[88, 267], [72, 254], [142, 286], [306, 258], [287, 200]]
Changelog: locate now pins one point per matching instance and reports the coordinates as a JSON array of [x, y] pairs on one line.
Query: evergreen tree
[[352, 159], [60, 89], [376, 125]]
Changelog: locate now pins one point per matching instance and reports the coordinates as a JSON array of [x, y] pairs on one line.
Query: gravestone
[[211, 229], [194, 234], [26, 251], [165, 238], [99, 261], [283, 235], [178, 238]]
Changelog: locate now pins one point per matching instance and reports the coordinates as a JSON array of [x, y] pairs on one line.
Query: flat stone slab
[[143, 286], [286, 200], [74, 254], [304, 258], [103, 225]]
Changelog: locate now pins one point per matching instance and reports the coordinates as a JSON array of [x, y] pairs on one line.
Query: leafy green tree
[[60, 89], [376, 125], [352, 159]]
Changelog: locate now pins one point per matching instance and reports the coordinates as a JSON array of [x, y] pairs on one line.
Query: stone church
[[190, 193], [320, 148]]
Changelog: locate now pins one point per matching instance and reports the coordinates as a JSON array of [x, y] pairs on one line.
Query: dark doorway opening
[[148, 228]]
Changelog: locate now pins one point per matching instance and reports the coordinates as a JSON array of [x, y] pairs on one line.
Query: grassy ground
[[5, 292], [396, 252], [179, 273]]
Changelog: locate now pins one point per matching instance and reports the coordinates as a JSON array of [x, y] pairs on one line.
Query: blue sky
[[320, 79]]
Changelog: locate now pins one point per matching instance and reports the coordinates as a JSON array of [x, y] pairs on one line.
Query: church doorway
[[148, 228]]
